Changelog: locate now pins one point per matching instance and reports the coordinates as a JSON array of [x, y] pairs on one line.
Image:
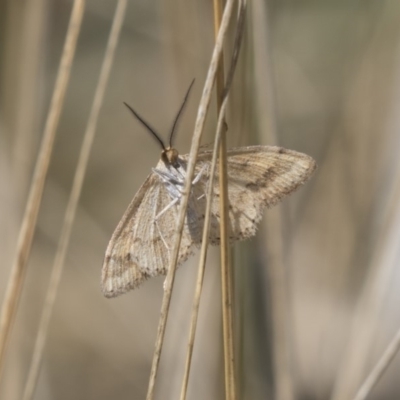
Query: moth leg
[[161, 235], [194, 181], [178, 196], [197, 179], [199, 175], [167, 177], [171, 179], [173, 202], [155, 221]]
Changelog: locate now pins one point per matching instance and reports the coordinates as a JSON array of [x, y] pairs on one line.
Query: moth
[[141, 246]]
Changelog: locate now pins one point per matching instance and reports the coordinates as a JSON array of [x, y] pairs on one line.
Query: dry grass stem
[[380, 368], [18, 269], [73, 201], [370, 303], [226, 271], [205, 237], [199, 125]]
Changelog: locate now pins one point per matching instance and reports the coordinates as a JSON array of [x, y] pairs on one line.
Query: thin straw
[[18, 269], [73, 202], [201, 115]]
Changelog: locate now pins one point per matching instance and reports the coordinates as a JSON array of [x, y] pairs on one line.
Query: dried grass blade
[[199, 125], [226, 270], [206, 229], [73, 201], [18, 269], [367, 312], [379, 369]]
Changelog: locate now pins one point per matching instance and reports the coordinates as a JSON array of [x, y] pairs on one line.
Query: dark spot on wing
[[263, 182], [268, 174], [252, 186]]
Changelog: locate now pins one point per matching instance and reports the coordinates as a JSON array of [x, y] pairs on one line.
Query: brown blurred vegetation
[[315, 76]]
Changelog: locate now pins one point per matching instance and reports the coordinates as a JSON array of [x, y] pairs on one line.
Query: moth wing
[[141, 247], [258, 177]]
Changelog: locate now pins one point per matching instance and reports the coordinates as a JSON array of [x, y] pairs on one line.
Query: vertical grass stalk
[[206, 228], [73, 202], [198, 130], [18, 269]]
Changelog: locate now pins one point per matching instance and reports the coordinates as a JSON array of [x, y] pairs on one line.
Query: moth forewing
[[141, 244]]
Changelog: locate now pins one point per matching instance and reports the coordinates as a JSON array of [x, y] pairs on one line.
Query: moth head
[[170, 156]]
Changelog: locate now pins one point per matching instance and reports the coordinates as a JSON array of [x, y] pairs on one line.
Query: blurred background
[[320, 77]]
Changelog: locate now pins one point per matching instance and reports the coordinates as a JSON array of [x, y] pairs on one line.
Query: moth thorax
[[170, 156]]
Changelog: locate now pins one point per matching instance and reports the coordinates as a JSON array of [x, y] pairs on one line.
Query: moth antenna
[[149, 128], [171, 136]]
